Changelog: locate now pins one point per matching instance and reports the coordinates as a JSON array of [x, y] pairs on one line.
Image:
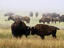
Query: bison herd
[[46, 18], [19, 28]]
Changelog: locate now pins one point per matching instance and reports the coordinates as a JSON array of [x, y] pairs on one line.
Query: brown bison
[[15, 17], [62, 18], [42, 30], [55, 20], [19, 28], [44, 20], [26, 18]]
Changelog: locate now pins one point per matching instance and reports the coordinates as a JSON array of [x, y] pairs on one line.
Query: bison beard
[[42, 30], [19, 28]]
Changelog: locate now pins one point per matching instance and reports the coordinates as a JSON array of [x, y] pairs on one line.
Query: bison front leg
[[26, 36], [20, 36], [42, 36], [43, 22]]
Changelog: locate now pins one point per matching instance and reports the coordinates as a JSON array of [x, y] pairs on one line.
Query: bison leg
[[43, 22], [48, 22], [42, 36], [20, 36], [54, 34], [55, 22], [26, 36]]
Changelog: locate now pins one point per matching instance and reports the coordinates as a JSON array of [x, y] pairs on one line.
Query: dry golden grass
[[31, 41]]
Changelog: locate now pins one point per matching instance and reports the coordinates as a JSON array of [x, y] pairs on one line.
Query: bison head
[[34, 30]]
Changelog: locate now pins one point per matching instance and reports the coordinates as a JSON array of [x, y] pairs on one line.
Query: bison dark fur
[[42, 30], [19, 28]]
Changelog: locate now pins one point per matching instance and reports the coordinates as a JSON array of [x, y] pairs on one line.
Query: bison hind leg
[[26, 36], [54, 34]]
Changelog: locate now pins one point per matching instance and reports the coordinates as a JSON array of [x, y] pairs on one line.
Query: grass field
[[8, 41]]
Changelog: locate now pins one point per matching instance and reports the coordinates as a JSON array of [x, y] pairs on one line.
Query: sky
[[32, 5]]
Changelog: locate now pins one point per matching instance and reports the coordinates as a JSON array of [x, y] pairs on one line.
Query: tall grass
[[7, 41], [31, 43]]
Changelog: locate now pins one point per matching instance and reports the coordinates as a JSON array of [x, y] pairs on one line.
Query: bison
[[57, 19], [42, 30], [62, 18], [15, 17], [19, 28], [26, 18], [44, 20]]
